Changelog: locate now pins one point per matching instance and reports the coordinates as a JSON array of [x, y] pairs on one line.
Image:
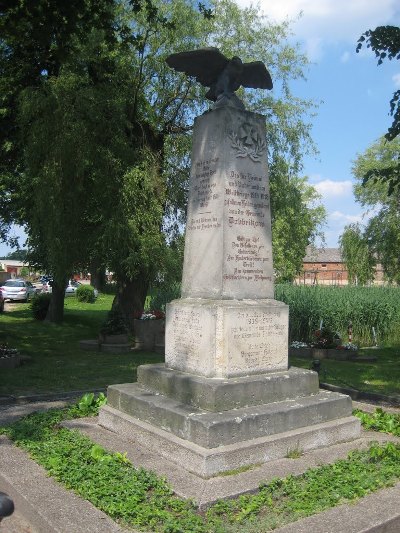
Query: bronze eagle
[[223, 76]]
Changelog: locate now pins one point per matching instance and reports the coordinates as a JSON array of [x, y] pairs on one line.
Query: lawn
[[57, 364], [381, 376]]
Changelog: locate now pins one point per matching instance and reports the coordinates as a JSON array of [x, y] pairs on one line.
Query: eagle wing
[[256, 76], [204, 64]]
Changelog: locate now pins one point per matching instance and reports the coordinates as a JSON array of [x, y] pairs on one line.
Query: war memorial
[[225, 397]]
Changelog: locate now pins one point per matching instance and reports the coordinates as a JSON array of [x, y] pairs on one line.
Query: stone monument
[[225, 397]]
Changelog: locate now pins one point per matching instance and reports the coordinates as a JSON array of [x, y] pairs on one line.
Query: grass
[[137, 498], [57, 364], [381, 376]]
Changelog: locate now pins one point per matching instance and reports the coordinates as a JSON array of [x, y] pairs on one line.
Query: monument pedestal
[[225, 397], [213, 425]]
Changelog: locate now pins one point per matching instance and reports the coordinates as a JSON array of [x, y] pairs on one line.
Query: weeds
[[141, 499]]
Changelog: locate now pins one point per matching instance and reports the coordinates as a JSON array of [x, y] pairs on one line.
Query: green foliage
[[88, 405], [357, 255], [365, 307], [40, 305], [382, 232], [297, 219], [85, 293], [160, 295], [139, 498], [115, 323], [385, 43], [380, 421]]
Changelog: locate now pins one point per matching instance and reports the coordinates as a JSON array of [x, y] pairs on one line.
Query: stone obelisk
[[227, 323], [225, 397]]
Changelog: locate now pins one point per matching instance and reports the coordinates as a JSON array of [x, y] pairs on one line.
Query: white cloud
[[338, 216], [328, 188], [325, 21], [396, 80]]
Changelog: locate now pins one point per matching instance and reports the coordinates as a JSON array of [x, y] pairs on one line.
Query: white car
[[18, 289], [70, 290]]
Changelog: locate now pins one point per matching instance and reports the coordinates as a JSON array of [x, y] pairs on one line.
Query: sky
[[354, 93]]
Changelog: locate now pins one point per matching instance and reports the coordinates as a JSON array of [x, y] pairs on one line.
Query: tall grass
[[365, 307]]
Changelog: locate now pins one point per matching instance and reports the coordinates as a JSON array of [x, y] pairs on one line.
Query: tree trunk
[[98, 277], [131, 297], [56, 308]]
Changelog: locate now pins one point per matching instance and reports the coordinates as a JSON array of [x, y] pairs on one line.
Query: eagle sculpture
[[223, 76]]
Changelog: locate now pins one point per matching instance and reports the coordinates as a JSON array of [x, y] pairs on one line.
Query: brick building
[[325, 266]]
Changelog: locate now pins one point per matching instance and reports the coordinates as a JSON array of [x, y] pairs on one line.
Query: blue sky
[[354, 91]]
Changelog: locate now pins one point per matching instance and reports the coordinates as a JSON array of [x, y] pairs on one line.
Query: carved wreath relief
[[247, 142]]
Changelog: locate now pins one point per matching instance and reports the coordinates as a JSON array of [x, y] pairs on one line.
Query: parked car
[[18, 289], [73, 286], [70, 290]]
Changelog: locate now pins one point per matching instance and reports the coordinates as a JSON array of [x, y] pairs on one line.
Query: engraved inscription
[[187, 334], [257, 337], [247, 203]]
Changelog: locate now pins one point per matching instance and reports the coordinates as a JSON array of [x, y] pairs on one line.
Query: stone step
[[212, 429], [208, 462], [220, 394]]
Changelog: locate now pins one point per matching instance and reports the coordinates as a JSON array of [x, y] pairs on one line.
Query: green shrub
[[115, 324], [85, 293], [40, 305]]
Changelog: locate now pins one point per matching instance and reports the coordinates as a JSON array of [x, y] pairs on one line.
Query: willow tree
[[382, 230]]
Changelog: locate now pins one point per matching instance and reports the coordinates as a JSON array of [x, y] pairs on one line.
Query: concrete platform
[[46, 507]]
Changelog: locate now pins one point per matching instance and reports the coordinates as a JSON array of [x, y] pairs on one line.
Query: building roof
[[13, 263], [322, 255]]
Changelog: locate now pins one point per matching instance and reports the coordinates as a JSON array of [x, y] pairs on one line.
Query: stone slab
[[205, 462], [222, 394], [212, 429], [44, 503], [226, 338], [228, 249], [115, 348]]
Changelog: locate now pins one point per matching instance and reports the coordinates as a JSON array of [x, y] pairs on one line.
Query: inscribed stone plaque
[[226, 338]]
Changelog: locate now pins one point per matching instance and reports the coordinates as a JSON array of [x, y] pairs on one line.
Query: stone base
[[216, 425], [93, 345], [148, 334], [219, 394], [226, 338], [324, 353], [206, 462]]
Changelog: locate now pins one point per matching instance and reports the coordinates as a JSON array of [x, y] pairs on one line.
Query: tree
[[385, 43], [99, 128], [383, 228], [357, 255], [297, 218]]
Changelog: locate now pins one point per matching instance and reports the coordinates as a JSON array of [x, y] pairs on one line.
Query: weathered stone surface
[[212, 429], [228, 251], [226, 338], [221, 394], [207, 462]]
